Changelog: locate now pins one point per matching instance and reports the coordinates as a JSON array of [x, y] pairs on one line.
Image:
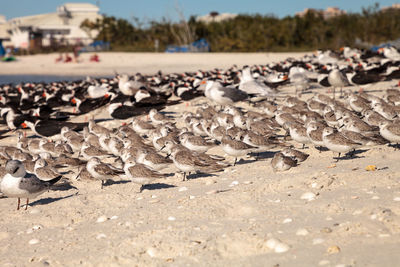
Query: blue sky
[[156, 9]]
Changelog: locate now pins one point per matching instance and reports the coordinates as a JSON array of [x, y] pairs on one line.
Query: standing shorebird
[[337, 79], [20, 184]]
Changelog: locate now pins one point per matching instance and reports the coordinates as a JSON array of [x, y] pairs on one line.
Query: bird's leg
[[141, 188], [19, 203], [341, 92], [234, 163], [333, 92], [27, 203], [304, 145], [338, 157], [102, 184], [184, 176]]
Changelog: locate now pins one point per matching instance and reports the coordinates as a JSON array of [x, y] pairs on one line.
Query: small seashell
[[102, 219], [308, 196], [302, 232], [101, 236], [153, 196], [192, 197], [234, 183], [323, 262], [139, 198], [271, 243], [211, 192], [281, 247], [34, 211], [247, 182], [317, 241], [333, 250], [287, 220], [396, 199], [370, 168], [33, 241], [331, 166], [326, 230], [37, 227], [171, 218], [114, 217], [357, 212], [151, 252], [183, 188], [375, 197]]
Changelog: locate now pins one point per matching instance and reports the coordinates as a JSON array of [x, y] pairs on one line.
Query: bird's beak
[[73, 101], [24, 125]]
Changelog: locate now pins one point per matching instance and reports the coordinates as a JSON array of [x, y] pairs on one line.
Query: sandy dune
[[227, 219]]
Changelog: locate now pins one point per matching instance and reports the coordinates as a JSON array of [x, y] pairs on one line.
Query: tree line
[[254, 33]]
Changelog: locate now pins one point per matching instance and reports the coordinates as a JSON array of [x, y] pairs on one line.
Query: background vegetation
[[254, 33]]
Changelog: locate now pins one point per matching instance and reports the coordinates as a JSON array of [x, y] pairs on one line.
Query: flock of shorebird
[[150, 141]]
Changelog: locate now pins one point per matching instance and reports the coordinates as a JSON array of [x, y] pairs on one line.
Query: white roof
[[53, 20], [79, 7]]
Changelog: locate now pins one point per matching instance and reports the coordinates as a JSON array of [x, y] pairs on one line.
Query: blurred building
[[59, 28], [328, 13], [215, 17], [393, 6]]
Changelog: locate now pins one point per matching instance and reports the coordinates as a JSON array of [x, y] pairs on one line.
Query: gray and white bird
[[20, 184], [337, 79], [222, 95]]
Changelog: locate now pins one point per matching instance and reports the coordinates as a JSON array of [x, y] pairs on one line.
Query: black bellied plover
[[195, 143], [152, 159], [390, 131], [336, 142], [141, 174], [281, 162], [184, 160], [102, 171], [235, 148], [295, 154]]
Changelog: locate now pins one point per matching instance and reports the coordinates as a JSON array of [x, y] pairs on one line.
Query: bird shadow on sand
[[245, 161], [395, 146], [63, 187], [48, 200], [112, 182], [157, 186], [263, 155], [353, 155], [200, 175]]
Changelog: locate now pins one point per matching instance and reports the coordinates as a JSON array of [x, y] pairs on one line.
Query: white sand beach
[[145, 63], [320, 213]]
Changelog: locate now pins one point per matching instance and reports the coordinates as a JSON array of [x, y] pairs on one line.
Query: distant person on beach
[[95, 58], [76, 53], [67, 58], [60, 58]]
